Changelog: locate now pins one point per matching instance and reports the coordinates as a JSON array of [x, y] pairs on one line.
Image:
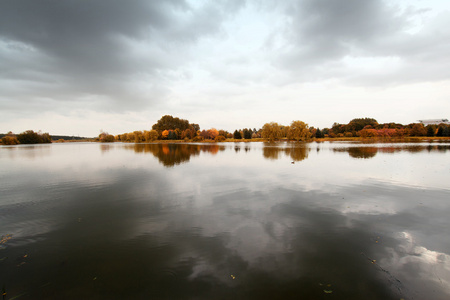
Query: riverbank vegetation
[[170, 129], [26, 137], [173, 129]]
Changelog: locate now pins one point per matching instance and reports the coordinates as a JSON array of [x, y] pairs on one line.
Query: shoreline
[[318, 140]]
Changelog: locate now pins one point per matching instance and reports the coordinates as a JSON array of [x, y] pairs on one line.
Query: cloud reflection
[[223, 230]]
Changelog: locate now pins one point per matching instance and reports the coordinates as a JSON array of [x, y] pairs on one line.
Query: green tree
[[319, 133], [247, 134], [446, 131], [430, 130], [440, 131], [172, 135], [299, 131], [271, 131]]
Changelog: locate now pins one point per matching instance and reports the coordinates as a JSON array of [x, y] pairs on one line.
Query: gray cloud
[[320, 34], [168, 57], [70, 49]]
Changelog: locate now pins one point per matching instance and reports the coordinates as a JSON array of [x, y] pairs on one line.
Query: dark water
[[225, 221]]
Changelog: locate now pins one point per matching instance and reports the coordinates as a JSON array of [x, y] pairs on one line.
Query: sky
[[78, 67]]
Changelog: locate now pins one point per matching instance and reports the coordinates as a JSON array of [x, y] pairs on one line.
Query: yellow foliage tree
[[271, 131], [298, 131], [151, 135]]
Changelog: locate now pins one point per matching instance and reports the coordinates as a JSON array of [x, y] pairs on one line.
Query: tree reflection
[[296, 152], [105, 148], [362, 152], [28, 151], [271, 152], [174, 154], [370, 152]]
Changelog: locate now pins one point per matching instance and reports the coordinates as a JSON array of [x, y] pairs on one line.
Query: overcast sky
[[76, 67]]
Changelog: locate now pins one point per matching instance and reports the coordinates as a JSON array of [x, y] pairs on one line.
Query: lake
[[281, 220]]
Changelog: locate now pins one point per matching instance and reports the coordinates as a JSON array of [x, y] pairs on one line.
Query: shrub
[[9, 140], [29, 137], [198, 138], [220, 138]]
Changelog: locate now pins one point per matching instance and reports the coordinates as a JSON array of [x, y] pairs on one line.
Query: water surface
[[225, 221]]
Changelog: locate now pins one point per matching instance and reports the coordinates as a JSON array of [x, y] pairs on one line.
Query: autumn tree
[[188, 134], [223, 133], [299, 131], [138, 136], [237, 135], [417, 129], [31, 137], [130, 137], [271, 131], [168, 122], [10, 139], [213, 133], [368, 132], [336, 129], [105, 137], [359, 123], [220, 138], [151, 135], [165, 134]]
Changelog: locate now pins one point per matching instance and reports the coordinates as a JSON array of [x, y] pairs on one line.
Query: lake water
[[225, 221]]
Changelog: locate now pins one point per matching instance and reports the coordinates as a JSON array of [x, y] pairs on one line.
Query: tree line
[[173, 128], [26, 137], [370, 128]]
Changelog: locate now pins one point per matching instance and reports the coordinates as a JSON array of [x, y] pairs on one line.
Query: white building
[[434, 122]]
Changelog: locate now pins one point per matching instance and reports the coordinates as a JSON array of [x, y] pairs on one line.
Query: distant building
[[434, 122]]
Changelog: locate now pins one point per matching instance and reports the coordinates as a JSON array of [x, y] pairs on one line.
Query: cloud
[[322, 37], [203, 58], [70, 50]]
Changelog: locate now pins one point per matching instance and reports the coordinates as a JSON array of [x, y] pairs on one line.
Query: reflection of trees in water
[[105, 148], [295, 152], [414, 148], [362, 152], [27, 151], [174, 154], [271, 152], [359, 152], [369, 152]]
